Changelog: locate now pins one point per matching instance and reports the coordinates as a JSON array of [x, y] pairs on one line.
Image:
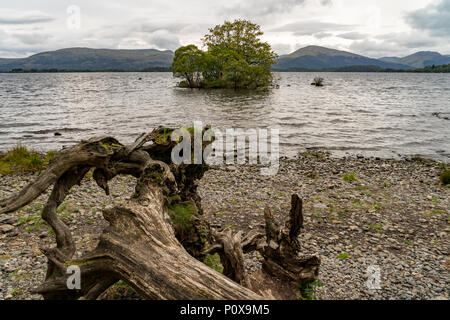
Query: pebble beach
[[360, 214]]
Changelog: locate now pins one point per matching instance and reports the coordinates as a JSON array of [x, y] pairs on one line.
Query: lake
[[373, 114]]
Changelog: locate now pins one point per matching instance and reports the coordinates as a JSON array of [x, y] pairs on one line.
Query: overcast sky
[[374, 28]]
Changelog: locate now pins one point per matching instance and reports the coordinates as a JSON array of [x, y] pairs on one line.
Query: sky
[[375, 28]]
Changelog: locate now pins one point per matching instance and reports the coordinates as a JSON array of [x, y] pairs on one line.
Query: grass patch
[[182, 213], [435, 200], [342, 256], [34, 222], [312, 175], [308, 290], [361, 187], [213, 261], [445, 177], [386, 184], [16, 292], [21, 160], [5, 257], [407, 241], [349, 177], [376, 206]]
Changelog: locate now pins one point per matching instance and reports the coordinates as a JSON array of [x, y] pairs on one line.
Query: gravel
[[393, 219]]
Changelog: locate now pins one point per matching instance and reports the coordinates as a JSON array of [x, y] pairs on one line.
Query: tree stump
[[147, 244]]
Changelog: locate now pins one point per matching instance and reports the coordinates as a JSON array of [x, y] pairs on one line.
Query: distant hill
[[91, 59], [311, 58], [420, 59], [316, 58]]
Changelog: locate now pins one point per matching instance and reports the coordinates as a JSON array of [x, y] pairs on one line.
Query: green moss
[[360, 188], [342, 256], [182, 213], [308, 290], [350, 177], [445, 177], [213, 261]]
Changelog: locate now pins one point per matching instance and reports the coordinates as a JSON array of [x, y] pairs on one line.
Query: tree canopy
[[235, 57]]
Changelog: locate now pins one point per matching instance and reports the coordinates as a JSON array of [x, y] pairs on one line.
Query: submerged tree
[[235, 58]]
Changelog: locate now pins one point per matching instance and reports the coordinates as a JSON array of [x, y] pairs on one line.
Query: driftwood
[[148, 244]]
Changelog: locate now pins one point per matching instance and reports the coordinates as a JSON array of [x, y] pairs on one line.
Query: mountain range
[[91, 59], [307, 58], [316, 58], [420, 59]]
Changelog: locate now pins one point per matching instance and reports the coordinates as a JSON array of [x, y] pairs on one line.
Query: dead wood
[[156, 239]]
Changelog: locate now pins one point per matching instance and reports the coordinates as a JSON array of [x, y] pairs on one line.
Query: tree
[[188, 64], [237, 71], [241, 36], [235, 57]]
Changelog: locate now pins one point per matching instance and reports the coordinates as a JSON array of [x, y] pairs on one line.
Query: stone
[[5, 228]]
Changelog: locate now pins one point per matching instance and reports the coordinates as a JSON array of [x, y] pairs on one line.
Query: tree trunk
[[145, 246]]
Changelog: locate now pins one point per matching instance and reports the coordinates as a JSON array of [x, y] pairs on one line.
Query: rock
[[7, 220], [5, 228]]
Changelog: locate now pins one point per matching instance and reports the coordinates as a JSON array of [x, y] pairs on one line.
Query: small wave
[[46, 131], [19, 124]]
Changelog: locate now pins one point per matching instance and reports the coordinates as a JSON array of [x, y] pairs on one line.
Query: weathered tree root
[[155, 241]]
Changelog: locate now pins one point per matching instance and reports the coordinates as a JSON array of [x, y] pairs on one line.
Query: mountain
[[307, 58], [315, 57], [420, 59], [91, 59]]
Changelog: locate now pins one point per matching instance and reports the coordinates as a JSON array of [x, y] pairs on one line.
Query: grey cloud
[[326, 2], [282, 48], [14, 17], [434, 18], [312, 27], [352, 36], [260, 8], [375, 49], [322, 35], [409, 40], [164, 39], [31, 38]]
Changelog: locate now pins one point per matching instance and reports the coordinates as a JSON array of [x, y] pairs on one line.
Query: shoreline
[[389, 213]]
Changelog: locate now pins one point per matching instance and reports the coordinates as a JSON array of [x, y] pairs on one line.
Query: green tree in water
[[235, 57], [189, 64]]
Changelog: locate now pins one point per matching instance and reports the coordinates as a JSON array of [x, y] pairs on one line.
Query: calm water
[[355, 113]]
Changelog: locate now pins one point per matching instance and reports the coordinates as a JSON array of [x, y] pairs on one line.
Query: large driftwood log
[[155, 241]]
